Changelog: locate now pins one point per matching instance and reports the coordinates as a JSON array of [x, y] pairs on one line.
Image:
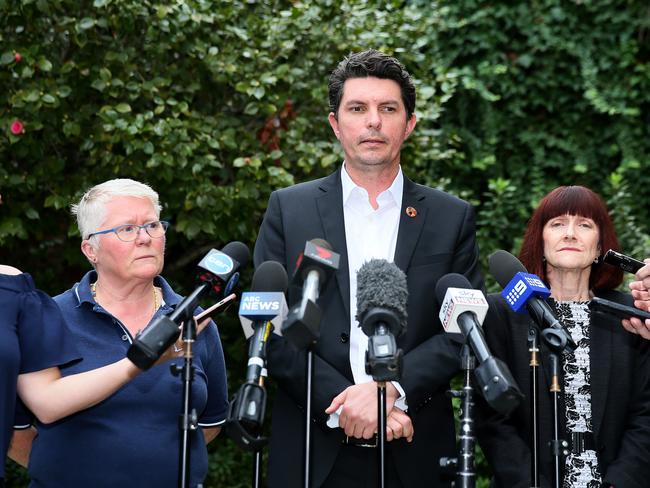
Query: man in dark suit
[[368, 209]]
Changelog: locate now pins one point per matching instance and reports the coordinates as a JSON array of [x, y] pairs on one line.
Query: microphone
[[217, 271], [314, 267], [261, 311], [626, 263], [520, 289], [382, 294], [258, 311], [220, 269], [463, 310]]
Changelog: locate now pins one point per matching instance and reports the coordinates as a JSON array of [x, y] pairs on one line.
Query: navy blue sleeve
[[23, 417], [43, 335], [214, 365]]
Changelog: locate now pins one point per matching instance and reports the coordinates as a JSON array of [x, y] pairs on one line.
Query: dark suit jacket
[[440, 239], [620, 401]]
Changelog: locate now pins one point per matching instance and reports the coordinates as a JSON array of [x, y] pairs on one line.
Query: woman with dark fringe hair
[[604, 413]]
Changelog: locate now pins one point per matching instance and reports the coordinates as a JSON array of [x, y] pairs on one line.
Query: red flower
[[17, 127], [17, 57]]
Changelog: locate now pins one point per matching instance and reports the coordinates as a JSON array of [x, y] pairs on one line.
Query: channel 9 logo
[[516, 293], [521, 287]]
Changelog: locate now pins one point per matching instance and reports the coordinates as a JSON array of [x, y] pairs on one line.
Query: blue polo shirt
[[132, 438], [33, 336]]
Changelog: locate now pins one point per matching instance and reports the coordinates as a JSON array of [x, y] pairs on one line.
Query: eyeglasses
[[129, 232]]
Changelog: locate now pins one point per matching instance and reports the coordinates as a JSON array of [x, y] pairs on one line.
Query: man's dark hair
[[371, 63]]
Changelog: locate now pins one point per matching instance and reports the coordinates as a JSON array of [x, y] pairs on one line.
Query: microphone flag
[[521, 287]]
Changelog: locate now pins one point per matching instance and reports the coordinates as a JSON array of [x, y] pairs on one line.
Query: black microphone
[[505, 267], [626, 263], [257, 311], [218, 271], [463, 309], [382, 294], [314, 267]]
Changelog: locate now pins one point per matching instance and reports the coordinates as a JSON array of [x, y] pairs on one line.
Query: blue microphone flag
[[521, 287]]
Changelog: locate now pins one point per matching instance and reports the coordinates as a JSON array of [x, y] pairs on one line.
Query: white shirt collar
[[395, 190]]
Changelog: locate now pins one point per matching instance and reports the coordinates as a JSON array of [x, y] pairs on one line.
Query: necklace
[[156, 304]]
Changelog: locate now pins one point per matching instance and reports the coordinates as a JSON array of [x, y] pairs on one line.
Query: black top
[[620, 401]]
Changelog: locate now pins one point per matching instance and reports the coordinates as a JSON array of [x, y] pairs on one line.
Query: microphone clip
[[245, 417], [383, 358], [498, 386], [150, 343], [557, 340], [302, 326]]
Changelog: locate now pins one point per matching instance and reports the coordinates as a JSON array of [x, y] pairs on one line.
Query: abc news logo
[[258, 304]]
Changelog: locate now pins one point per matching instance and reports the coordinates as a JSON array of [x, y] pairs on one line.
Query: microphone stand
[[301, 329], [257, 470], [308, 389], [557, 340], [383, 363], [381, 431], [257, 460], [245, 418], [534, 406], [556, 447], [188, 418], [245, 414], [465, 474]]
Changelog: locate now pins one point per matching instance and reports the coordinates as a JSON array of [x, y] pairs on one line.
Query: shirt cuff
[[211, 424], [401, 402], [333, 419]]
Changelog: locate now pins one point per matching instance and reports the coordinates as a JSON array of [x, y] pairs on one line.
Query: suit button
[[344, 337]]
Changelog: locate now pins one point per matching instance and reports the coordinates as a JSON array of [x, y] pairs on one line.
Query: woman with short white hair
[[132, 438]]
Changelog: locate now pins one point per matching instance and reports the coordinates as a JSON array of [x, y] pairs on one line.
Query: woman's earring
[[597, 260]]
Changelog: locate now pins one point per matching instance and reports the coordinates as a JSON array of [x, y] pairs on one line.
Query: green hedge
[[217, 103]]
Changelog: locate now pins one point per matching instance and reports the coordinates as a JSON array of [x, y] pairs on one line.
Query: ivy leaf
[[44, 64], [123, 108], [98, 85], [86, 23], [48, 98], [31, 96], [7, 58], [64, 91]]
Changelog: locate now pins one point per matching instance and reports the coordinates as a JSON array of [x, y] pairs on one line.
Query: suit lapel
[[330, 209], [412, 217]]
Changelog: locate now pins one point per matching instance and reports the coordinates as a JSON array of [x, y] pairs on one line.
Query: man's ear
[[334, 123], [410, 125]]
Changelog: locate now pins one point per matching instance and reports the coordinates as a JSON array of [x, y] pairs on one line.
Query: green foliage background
[[217, 103]]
